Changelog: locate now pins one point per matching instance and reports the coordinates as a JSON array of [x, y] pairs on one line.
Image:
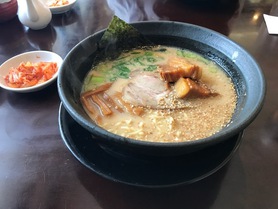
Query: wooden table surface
[[37, 171]]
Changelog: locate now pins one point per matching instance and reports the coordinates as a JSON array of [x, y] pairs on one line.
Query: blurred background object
[[34, 14], [222, 12], [8, 10]]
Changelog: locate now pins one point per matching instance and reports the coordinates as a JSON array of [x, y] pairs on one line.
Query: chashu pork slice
[[149, 90], [177, 68], [145, 89]]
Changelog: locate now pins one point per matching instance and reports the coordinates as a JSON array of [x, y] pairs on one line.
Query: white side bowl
[[60, 9], [33, 56]]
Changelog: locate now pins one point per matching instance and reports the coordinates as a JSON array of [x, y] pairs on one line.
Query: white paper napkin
[[271, 23]]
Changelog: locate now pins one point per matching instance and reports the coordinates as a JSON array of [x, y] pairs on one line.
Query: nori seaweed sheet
[[120, 36]]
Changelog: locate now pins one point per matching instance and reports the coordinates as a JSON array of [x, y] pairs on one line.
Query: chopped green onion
[[151, 68], [96, 79], [149, 53]]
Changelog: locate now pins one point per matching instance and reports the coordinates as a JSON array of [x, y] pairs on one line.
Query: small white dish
[[33, 57], [60, 9]]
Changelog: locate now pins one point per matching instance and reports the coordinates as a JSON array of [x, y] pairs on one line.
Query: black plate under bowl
[[143, 171]]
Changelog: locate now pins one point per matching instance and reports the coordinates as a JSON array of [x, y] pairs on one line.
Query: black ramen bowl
[[245, 73]]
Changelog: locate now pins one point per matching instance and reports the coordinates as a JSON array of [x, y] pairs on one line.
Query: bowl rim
[[216, 138], [37, 87]]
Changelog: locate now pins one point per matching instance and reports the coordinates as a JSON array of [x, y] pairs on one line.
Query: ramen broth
[[155, 113]]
